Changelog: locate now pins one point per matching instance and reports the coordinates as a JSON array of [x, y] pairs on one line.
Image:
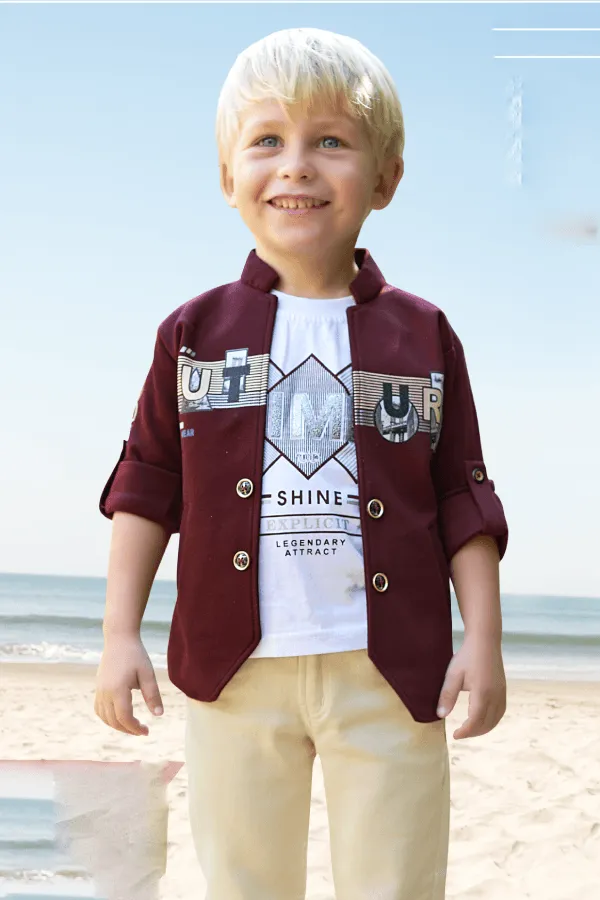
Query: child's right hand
[[125, 666]]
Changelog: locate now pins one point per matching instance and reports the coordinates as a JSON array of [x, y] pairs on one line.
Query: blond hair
[[308, 66]]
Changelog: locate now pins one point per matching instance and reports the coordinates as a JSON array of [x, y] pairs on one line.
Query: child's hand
[[478, 668], [125, 666]]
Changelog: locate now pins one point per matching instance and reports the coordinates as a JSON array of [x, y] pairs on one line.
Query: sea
[[53, 619], [58, 619]]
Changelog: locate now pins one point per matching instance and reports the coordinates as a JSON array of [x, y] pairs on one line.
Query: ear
[[389, 178], [227, 185]]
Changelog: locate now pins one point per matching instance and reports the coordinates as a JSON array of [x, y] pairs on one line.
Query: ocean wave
[[61, 653], [23, 843], [83, 623]]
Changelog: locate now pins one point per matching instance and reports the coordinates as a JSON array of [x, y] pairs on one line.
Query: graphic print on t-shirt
[[309, 417], [310, 428]]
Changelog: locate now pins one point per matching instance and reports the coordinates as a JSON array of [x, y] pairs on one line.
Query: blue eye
[[272, 137]]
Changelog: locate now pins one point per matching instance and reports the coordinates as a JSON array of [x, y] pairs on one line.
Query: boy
[[310, 431]]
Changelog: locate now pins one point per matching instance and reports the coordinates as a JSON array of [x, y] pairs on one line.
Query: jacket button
[[244, 487], [241, 560], [375, 509], [478, 475], [380, 582]]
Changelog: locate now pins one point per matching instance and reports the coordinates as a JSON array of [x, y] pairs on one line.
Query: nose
[[295, 164]]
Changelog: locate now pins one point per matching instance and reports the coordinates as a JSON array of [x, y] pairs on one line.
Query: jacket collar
[[366, 285]]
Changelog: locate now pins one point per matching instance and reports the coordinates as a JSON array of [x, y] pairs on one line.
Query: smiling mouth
[[298, 205]]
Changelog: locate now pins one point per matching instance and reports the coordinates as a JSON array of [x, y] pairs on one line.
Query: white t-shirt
[[311, 574]]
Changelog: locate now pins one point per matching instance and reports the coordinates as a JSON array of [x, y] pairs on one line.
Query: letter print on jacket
[[238, 380], [400, 407]]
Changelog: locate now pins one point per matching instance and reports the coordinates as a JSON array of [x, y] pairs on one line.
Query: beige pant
[[250, 757]]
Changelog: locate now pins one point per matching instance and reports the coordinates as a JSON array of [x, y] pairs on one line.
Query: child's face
[[326, 156]]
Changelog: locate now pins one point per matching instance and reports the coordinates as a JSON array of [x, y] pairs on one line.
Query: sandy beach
[[525, 798]]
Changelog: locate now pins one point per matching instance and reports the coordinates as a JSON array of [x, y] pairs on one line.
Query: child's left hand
[[478, 668]]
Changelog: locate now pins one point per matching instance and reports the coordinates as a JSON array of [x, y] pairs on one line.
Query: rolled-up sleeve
[[467, 501], [146, 480]]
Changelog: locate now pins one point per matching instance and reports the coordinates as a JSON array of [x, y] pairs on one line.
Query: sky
[[111, 216]]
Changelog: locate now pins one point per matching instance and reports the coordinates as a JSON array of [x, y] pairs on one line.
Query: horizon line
[[173, 581]]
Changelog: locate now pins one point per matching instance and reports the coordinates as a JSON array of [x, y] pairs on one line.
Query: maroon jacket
[[418, 452]]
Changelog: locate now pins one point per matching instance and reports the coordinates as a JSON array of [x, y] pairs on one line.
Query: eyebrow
[[252, 124]]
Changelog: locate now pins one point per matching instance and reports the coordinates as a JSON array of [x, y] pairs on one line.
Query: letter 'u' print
[[238, 380], [399, 406]]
